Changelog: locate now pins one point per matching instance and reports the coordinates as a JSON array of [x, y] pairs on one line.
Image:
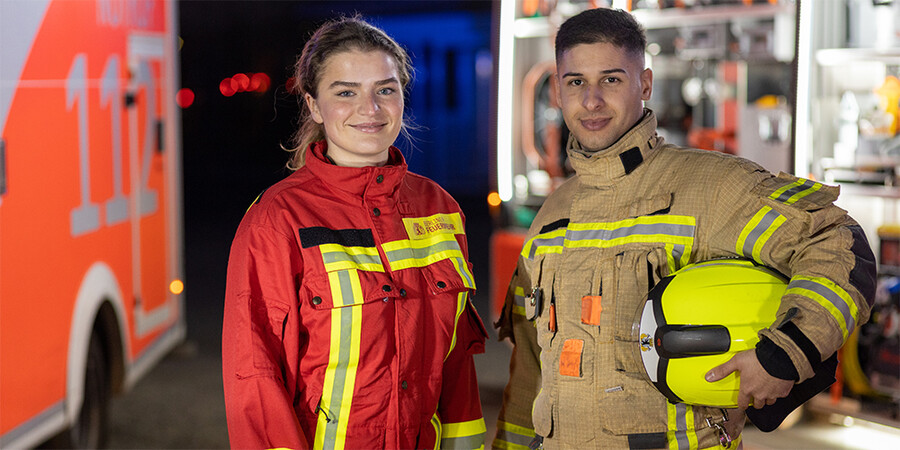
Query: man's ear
[[646, 84], [554, 86], [313, 108]]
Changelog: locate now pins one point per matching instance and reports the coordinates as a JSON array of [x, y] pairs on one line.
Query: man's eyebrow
[[352, 84], [603, 72]]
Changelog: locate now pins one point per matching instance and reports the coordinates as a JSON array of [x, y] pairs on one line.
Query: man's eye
[[576, 82], [612, 80], [345, 94], [386, 91]]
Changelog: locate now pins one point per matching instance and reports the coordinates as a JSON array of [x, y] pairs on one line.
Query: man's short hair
[[592, 26]]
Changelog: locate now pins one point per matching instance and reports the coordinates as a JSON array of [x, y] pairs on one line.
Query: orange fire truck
[[90, 210]]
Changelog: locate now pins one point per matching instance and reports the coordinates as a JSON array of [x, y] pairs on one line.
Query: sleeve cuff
[[775, 360]]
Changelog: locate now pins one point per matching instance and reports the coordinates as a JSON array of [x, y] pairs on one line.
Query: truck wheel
[[89, 430]]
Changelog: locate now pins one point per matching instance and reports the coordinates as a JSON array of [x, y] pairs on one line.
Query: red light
[[260, 82], [184, 97], [228, 87], [242, 80]]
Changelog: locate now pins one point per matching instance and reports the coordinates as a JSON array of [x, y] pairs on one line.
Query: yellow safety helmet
[[698, 318]]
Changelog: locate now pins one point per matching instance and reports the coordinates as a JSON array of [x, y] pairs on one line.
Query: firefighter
[[637, 210], [348, 321]]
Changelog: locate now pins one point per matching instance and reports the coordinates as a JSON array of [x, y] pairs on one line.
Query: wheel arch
[[98, 306]]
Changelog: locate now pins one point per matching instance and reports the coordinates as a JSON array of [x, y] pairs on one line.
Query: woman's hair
[[335, 36]]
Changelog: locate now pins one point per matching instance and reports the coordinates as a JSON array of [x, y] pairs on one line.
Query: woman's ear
[[313, 108]]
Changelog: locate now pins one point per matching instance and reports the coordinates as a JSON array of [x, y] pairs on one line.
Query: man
[[637, 210]]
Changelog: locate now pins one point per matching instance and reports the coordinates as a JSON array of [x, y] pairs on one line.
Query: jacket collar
[[357, 181], [606, 166]]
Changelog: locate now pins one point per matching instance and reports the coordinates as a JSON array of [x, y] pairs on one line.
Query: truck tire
[[89, 430]]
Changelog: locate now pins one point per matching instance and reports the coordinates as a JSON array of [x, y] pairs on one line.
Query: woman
[[347, 318]]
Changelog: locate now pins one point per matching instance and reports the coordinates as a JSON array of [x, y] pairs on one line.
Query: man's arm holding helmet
[[791, 224]]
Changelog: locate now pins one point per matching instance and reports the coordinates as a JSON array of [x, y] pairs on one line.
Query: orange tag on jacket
[[590, 309], [570, 359]]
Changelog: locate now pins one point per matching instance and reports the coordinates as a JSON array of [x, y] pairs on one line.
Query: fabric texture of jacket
[[631, 215], [348, 322]]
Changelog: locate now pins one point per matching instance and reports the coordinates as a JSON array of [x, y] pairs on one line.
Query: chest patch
[[436, 224]]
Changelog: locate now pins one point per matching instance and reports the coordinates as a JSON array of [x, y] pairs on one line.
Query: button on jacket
[[633, 214], [347, 319]]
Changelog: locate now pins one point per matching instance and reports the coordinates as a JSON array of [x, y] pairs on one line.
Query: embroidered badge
[[426, 227]]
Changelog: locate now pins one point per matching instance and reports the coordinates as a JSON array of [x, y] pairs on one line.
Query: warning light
[[228, 87], [242, 80], [184, 97], [260, 82], [493, 199], [176, 287]]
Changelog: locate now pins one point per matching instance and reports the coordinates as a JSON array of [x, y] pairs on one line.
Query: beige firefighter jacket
[[631, 215]]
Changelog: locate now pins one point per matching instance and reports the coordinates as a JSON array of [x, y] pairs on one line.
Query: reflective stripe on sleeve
[[681, 434], [790, 193], [831, 296], [436, 423], [513, 437], [519, 301], [343, 360], [338, 257], [463, 435], [757, 232], [462, 300]]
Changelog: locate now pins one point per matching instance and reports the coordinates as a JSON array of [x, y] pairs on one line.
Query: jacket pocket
[[542, 414], [628, 405], [267, 320], [637, 272]]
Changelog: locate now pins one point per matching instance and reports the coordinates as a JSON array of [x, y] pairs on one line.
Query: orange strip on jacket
[[570, 359], [591, 309]]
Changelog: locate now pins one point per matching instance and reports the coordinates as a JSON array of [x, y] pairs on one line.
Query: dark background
[[232, 145], [232, 152]]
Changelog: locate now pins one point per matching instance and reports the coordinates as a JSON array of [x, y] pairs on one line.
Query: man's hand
[[757, 386]]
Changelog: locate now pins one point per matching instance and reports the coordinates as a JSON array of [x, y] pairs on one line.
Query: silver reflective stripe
[[461, 263], [786, 195], [405, 253], [514, 438], [767, 220], [546, 242], [681, 426], [357, 259], [829, 295], [644, 229], [463, 442], [343, 362]]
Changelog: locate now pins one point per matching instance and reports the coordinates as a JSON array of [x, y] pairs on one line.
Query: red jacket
[[348, 322]]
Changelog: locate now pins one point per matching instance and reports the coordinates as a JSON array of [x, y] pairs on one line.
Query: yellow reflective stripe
[[338, 257], [549, 242], [519, 301], [436, 423], [831, 296], [790, 193], [405, 254], [463, 270], [463, 435], [461, 301], [757, 232], [681, 434], [512, 436], [343, 361], [676, 232]]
